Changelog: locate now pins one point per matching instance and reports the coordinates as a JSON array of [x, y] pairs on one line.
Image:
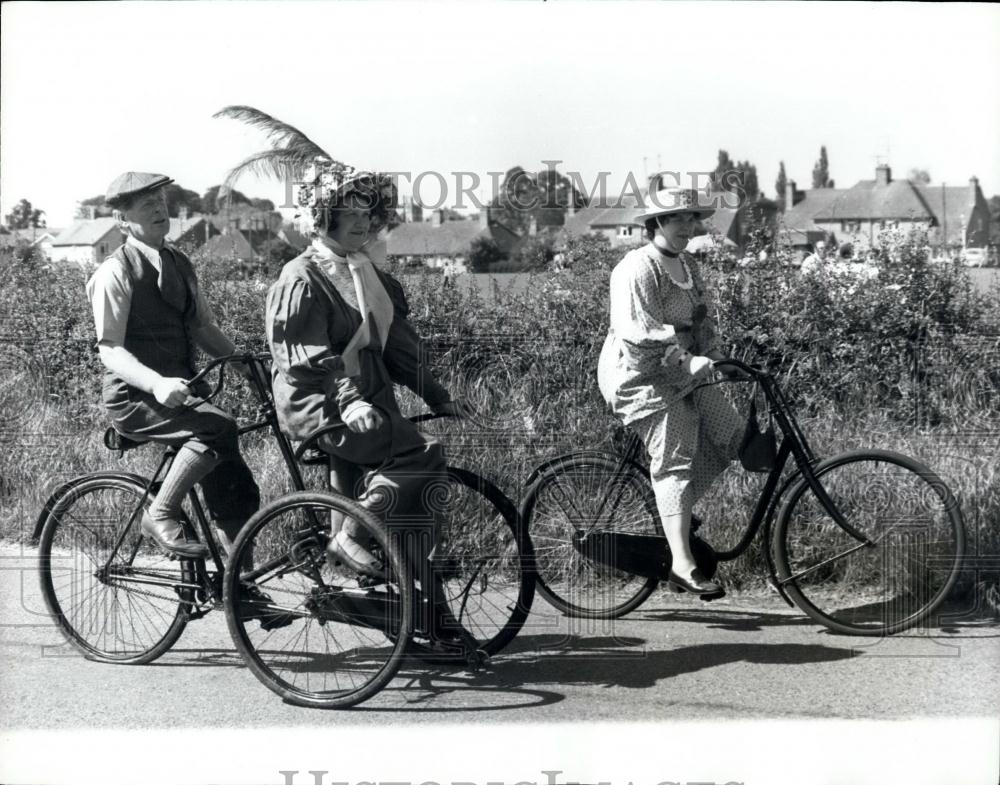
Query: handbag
[[759, 450]]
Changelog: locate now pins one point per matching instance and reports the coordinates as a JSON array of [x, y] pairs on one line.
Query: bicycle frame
[[203, 581], [793, 444]]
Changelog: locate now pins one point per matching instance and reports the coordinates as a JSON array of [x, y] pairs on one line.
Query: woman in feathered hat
[[340, 339], [662, 343]]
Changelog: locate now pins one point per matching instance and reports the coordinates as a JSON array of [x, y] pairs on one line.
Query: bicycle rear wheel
[[487, 574], [588, 496], [917, 540], [115, 605], [315, 633]]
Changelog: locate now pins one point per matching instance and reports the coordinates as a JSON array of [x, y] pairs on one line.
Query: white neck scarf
[[373, 300]]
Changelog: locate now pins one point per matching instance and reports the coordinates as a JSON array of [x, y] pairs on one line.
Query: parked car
[[975, 257]]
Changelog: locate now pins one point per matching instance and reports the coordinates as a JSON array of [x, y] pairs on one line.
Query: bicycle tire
[[918, 540], [490, 582], [564, 501], [109, 617], [344, 642]]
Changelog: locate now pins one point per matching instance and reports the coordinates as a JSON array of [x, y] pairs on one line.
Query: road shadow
[[614, 662], [725, 619]]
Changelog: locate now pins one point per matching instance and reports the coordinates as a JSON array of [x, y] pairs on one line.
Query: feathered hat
[[321, 182]]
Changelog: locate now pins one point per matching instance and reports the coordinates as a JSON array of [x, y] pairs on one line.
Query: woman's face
[[677, 230], [353, 220]]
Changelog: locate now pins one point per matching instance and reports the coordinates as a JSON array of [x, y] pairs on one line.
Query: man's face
[[147, 218]]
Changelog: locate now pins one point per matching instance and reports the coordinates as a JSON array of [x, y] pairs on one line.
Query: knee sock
[[188, 468]]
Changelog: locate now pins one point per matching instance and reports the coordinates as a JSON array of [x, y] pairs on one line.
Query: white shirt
[[110, 293]]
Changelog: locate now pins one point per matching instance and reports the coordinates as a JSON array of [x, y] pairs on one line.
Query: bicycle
[[868, 542], [117, 598]]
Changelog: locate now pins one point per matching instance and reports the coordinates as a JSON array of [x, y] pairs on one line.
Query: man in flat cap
[[148, 310]]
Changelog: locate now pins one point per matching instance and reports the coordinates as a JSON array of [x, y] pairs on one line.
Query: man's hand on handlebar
[[171, 391], [364, 419]]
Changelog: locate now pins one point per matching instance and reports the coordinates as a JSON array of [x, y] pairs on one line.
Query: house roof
[[867, 200], [422, 238], [951, 206], [84, 232], [578, 224], [232, 244], [815, 200], [722, 221], [178, 227], [30, 235]]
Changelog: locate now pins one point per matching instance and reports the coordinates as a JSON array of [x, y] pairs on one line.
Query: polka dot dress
[[691, 436]]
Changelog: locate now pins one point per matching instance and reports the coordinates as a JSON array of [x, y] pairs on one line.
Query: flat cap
[[130, 184]]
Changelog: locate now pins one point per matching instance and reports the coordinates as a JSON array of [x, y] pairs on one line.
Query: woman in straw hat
[[660, 345]]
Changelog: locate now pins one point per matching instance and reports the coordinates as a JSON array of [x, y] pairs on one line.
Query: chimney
[[973, 189], [532, 226], [883, 174], [571, 204], [484, 218], [182, 213], [436, 218], [789, 194]]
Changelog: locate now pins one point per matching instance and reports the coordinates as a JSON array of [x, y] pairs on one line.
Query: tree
[[263, 204], [24, 216], [483, 254], [212, 204], [178, 197], [721, 181], [994, 204], [93, 207], [919, 176], [543, 196], [821, 171], [735, 176], [781, 184]]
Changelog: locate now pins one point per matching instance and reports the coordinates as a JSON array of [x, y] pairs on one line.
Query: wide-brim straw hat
[[669, 201]]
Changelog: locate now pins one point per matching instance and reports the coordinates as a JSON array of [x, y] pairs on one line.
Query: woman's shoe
[[699, 584], [346, 549]]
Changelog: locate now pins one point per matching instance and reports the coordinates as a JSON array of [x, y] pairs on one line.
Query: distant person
[[816, 260], [148, 308]]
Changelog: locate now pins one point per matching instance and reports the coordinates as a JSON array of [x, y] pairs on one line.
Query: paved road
[[673, 659]]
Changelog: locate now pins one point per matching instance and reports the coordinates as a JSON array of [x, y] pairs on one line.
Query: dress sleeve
[[635, 308], [110, 292], [405, 354], [300, 351]]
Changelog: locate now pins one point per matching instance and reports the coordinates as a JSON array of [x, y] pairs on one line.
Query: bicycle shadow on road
[[612, 662], [721, 619]]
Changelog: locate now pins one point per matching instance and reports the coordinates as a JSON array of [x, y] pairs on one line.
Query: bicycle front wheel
[[114, 594], [900, 567], [588, 496], [311, 630]]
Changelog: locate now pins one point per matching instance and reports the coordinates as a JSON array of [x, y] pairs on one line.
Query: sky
[[89, 90]]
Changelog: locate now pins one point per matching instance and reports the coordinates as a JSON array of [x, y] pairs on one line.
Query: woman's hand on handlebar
[[171, 391], [364, 419]]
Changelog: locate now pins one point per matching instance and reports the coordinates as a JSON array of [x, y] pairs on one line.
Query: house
[[617, 222], [35, 237], [956, 216], [231, 245], [436, 242], [190, 232], [87, 242]]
